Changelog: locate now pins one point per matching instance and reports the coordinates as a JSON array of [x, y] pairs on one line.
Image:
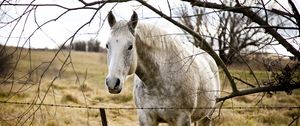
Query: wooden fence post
[[103, 117]]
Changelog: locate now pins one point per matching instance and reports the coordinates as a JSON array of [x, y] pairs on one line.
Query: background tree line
[[87, 46]]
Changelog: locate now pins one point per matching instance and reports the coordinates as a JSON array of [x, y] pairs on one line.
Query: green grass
[[81, 82]]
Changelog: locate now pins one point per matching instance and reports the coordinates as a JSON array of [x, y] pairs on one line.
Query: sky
[[57, 32]]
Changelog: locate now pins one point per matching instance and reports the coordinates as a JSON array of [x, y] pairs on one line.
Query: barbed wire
[[93, 107]]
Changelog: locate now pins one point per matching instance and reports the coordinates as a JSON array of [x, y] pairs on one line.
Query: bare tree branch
[[251, 15], [243, 92]]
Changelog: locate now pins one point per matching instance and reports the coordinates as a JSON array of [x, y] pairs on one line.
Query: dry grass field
[[78, 80]]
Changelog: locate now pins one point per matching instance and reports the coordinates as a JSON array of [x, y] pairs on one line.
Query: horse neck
[[153, 62]]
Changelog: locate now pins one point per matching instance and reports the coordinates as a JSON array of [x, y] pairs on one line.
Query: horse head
[[121, 52]]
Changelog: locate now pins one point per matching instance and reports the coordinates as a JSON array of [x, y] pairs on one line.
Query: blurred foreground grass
[[79, 80]]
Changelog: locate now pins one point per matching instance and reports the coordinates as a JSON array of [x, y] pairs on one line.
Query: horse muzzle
[[114, 91], [114, 85]]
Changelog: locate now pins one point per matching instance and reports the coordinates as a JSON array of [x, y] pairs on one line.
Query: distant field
[[77, 78]]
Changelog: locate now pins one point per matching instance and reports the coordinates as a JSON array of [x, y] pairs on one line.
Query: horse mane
[[150, 35]]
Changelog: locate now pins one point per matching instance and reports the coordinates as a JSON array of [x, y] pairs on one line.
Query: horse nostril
[[117, 83], [106, 81]]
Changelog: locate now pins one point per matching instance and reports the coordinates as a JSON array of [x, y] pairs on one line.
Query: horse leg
[[182, 120], [146, 119], [206, 121]]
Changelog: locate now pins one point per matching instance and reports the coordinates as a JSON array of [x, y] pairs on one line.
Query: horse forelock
[[121, 28]]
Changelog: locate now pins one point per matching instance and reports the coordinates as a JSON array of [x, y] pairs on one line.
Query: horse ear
[[133, 22], [111, 19]]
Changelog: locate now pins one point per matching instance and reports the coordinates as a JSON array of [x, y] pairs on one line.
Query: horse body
[[171, 77], [172, 83]]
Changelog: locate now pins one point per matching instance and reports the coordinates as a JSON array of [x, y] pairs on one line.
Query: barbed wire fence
[[104, 121], [130, 108]]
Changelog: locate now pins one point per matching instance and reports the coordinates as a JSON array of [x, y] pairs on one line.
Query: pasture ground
[[77, 78]]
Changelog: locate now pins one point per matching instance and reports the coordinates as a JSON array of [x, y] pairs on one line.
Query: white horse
[[173, 84]]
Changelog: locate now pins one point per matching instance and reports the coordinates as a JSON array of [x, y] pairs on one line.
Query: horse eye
[[107, 46], [130, 47]]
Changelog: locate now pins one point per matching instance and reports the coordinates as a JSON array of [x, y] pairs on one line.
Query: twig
[[275, 27], [251, 85]]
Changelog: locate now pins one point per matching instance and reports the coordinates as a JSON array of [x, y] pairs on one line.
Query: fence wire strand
[[131, 108]]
